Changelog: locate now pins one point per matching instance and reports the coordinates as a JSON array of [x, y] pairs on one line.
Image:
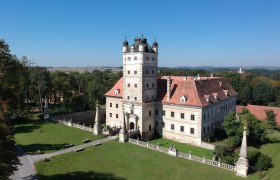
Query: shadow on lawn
[[32, 148], [81, 175]]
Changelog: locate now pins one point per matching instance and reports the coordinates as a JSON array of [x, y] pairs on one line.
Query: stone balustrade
[[188, 156]]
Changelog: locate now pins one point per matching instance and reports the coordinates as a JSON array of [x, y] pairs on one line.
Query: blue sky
[[189, 33]]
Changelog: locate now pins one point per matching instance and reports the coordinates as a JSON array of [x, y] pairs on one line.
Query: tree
[[232, 125], [264, 163], [270, 116], [9, 68]]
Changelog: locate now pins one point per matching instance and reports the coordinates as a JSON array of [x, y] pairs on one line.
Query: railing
[[188, 156], [76, 125]]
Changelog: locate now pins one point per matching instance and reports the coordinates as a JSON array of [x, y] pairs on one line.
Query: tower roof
[[140, 41]]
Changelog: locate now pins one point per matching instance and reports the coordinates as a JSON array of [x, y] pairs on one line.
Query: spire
[[97, 113], [242, 163], [243, 150]]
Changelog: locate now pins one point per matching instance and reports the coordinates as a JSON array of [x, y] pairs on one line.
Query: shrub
[[264, 163], [253, 156]]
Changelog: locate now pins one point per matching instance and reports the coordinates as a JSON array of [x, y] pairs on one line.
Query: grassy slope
[[197, 151], [53, 137], [125, 161]]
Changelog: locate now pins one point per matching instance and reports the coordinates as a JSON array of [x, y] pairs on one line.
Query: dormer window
[[183, 99], [226, 92], [117, 91], [207, 97], [216, 96]]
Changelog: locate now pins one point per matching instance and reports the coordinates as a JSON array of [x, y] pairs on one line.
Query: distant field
[[33, 135], [82, 69], [115, 160]]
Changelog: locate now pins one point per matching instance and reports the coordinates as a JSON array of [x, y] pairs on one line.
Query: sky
[[82, 33]]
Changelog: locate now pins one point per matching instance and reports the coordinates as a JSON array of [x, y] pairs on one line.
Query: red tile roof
[[260, 111], [119, 87], [194, 89]]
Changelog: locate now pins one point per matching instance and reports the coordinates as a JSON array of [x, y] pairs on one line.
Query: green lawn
[[115, 160], [272, 150], [52, 138], [197, 151]]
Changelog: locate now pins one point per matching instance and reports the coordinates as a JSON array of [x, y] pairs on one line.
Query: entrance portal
[[131, 126]]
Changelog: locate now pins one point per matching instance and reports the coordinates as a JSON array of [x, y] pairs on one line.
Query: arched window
[[128, 58], [135, 58]]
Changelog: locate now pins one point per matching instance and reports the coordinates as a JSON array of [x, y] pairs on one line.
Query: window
[[182, 116], [117, 105], [156, 123], [135, 58], [153, 84], [110, 114], [204, 130], [204, 116], [135, 85], [156, 111], [147, 85], [172, 114], [192, 117], [135, 72], [172, 127], [128, 97], [110, 104], [182, 128], [147, 58], [153, 72], [117, 116], [192, 130], [128, 72], [153, 58], [150, 113], [163, 113], [150, 127], [128, 58], [128, 84], [135, 98], [147, 72]]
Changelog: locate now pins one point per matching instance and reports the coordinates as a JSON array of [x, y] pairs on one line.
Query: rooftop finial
[[125, 38]]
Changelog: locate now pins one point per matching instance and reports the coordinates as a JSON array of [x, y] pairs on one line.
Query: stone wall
[[87, 117]]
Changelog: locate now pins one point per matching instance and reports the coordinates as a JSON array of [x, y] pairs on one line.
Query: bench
[[80, 149], [68, 145], [86, 140]]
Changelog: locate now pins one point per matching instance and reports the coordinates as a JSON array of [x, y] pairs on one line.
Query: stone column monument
[[242, 163], [46, 110], [96, 128], [123, 137]]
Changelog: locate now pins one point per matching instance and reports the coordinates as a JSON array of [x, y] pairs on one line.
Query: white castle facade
[[180, 108]]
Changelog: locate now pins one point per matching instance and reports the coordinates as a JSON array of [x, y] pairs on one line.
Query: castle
[[181, 108]]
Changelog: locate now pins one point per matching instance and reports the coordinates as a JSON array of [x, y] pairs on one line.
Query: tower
[[140, 64]]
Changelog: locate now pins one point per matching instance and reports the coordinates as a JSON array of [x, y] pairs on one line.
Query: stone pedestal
[[96, 129], [242, 167], [123, 137], [172, 151]]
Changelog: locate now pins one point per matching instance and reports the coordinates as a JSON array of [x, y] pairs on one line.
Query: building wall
[[117, 112], [213, 115], [164, 123]]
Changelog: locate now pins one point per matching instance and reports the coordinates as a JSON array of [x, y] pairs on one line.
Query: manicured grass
[[197, 151], [52, 138], [272, 150], [115, 160]]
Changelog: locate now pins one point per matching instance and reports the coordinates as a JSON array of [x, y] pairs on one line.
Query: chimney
[[168, 88]]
